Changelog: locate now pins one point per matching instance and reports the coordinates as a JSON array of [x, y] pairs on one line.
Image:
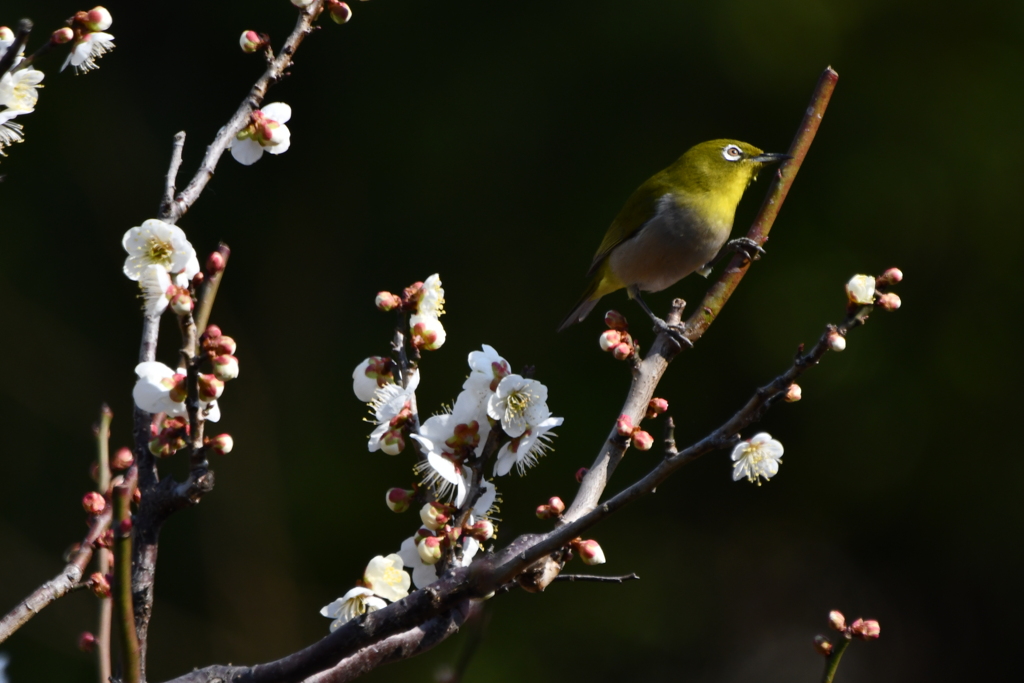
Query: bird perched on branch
[[675, 224]]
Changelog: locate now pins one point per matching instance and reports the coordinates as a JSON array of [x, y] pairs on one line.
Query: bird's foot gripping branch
[[418, 590]]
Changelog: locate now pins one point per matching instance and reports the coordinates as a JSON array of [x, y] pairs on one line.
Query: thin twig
[[122, 586], [61, 584], [832, 660], [102, 554], [275, 70], [172, 174], [597, 579], [209, 292]]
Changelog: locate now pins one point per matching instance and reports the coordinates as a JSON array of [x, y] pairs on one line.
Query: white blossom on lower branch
[[757, 457], [266, 132], [158, 243], [356, 602], [386, 578]]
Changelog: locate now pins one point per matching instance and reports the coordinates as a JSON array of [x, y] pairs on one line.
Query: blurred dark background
[[493, 143]]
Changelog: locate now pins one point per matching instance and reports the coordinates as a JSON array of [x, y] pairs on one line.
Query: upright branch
[[122, 585], [103, 554], [276, 68], [647, 374]]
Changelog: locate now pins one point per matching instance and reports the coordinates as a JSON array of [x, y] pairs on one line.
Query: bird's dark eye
[[732, 153]]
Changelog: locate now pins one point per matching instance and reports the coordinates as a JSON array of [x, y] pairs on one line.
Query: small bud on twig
[[86, 641], [122, 459], [793, 394], [836, 620], [865, 629], [836, 341], [590, 552], [93, 503], [822, 645], [890, 277], [399, 500]]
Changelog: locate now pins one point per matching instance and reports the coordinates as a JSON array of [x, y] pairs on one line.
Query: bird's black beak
[[770, 158]]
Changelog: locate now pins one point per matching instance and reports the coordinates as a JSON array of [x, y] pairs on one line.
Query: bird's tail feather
[[582, 308]]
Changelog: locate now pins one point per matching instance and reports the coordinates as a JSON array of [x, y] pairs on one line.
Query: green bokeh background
[[493, 143]]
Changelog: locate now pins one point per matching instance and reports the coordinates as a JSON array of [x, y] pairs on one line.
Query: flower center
[[159, 251], [392, 576], [516, 404]]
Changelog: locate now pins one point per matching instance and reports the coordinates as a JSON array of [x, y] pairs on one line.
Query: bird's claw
[[748, 247], [676, 332]]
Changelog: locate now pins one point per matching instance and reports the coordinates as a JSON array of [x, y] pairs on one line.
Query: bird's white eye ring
[[732, 153]]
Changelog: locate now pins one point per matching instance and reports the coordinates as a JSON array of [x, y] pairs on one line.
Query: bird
[[676, 223]]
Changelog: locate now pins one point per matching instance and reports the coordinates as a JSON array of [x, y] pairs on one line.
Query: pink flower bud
[[590, 552], [430, 550], [210, 388], [249, 42], [556, 505], [98, 19], [433, 516], [386, 301], [890, 301], [624, 425], [622, 351], [212, 332], [225, 367], [124, 528], [100, 584], [181, 302], [822, 645], [836, 341], [427, 332], [642, 441], [106, 539], [177, 390], [215, 261], [580, 473], [544, 512], [890, 277], [866, 629], [137, 495], [393, 442], [122, 459], [93, 503], [609, 339], [222, 346], [616, 321], [481, 530], [793, 393], [60, 36], [340, 12], [222, 444], [86, 642], [656, 407], [399, 500], [836, 620]]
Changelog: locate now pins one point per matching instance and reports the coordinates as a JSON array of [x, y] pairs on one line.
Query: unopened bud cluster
[[642, 440], [424, 302], [863, 629], [552, 509], [616, 340], [220, 349], [865, 290]]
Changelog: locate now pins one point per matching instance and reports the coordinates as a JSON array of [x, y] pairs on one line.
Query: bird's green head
[[721, 166]]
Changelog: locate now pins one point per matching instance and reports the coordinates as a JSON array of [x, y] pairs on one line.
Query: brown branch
[[15, 48], [68, 580], [648, 373], [172, 173], [122, 584], [209, 293], [102, 554], [597, 579], [275, 71]]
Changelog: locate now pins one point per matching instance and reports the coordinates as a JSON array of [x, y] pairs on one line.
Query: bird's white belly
[[667, 249]]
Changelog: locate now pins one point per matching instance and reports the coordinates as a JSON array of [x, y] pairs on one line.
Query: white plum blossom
[[861, 289], [159, 389], [385, 577], [369, 376], [431, 301], [266, 132], [162, 244], [10, 132], [18, 91], [518, 403], [524, 451], [388, 403], [356, 602], [87, 50], [156, 289], [423, 574], [487, 371], [758, 456], [448, 439]]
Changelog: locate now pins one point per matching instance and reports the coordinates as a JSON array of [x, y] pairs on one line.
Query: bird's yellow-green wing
[[641, 206]]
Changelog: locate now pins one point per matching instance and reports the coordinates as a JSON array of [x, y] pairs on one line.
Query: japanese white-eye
[[675, 224]]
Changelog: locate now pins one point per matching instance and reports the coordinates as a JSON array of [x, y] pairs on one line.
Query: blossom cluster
[[164, 263], [20, 83]]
